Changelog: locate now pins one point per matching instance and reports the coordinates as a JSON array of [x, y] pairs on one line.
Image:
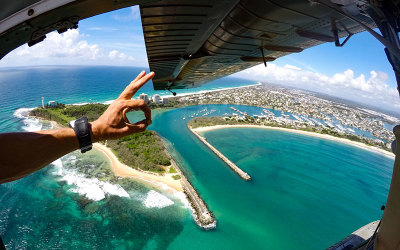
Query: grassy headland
[[144, 151], [62, 114]]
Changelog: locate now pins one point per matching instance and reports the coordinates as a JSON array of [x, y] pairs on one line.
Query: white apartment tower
[[144, 97], [156, 99]]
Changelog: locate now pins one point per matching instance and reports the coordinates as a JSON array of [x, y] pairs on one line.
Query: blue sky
[[115, 38]]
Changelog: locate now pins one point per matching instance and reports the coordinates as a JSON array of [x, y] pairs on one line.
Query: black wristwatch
[[81, 127]]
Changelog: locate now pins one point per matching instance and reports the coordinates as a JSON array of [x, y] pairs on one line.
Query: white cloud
[[301, 63], [115, 54], [67, 48], [292, 67], [372, 89], [68, 44]]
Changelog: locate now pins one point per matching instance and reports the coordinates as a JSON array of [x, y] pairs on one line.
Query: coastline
[[211, 90], [202, 216], [323, 136], [123, 170], [185, 94]]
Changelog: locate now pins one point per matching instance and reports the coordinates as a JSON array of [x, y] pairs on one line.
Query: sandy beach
[[329, 137], [123, 170]]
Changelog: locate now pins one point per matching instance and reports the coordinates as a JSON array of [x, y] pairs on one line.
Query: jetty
[[232, 165], [202, 216]]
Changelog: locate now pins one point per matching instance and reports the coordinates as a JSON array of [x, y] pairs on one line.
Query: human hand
[[114, 124]]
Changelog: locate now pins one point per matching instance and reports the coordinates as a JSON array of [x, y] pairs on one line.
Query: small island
[[142, 156]]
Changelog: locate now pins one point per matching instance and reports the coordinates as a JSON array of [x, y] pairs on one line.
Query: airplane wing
[[28, 21], [190, 43]]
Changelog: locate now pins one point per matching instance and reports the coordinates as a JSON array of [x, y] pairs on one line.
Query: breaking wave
[[155, 199], [30, 124], [80, 103], [108, 102], [22, 112], [91, 188]]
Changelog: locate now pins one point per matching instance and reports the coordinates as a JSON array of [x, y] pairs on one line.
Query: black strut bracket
[[336, 33]]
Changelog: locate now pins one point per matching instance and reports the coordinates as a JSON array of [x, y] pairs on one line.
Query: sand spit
[[324, 136]]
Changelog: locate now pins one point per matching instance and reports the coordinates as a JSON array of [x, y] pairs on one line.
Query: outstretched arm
[[23, 153]]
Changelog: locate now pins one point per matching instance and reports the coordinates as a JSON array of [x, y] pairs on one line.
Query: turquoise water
[[305, 193], [42, 212]]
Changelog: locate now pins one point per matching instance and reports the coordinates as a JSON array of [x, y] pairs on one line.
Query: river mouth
[[298, 182], [305, 193]]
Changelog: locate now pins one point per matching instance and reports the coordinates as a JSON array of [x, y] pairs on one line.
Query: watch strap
[[81, 127]]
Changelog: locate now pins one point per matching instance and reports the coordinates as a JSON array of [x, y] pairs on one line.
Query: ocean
[[305, 192]]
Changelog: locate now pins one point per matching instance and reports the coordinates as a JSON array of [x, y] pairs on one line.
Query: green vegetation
[[143, 150], [62, 113], [216, 120], [211, 121], [176, 177], [65, 113], [172, 170], [172, 103]]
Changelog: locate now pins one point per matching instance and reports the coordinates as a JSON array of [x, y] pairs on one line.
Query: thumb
[[139, 126]]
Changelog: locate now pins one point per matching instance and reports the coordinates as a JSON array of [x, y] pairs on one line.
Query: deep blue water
[[24, 87]]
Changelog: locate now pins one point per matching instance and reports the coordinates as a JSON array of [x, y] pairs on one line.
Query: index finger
[[134, 104], [135, 85]]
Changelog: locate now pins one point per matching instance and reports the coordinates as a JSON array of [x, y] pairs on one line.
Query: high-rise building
[[144, 97], [156, 99], [165, 100]]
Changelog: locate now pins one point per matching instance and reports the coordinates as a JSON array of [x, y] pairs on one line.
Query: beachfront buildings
[[156, 99], [308, 109], [144, 97], [164, 100]]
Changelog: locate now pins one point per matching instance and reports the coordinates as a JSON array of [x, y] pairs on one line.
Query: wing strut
[[336, 33], [262, 54], [386, 19]]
